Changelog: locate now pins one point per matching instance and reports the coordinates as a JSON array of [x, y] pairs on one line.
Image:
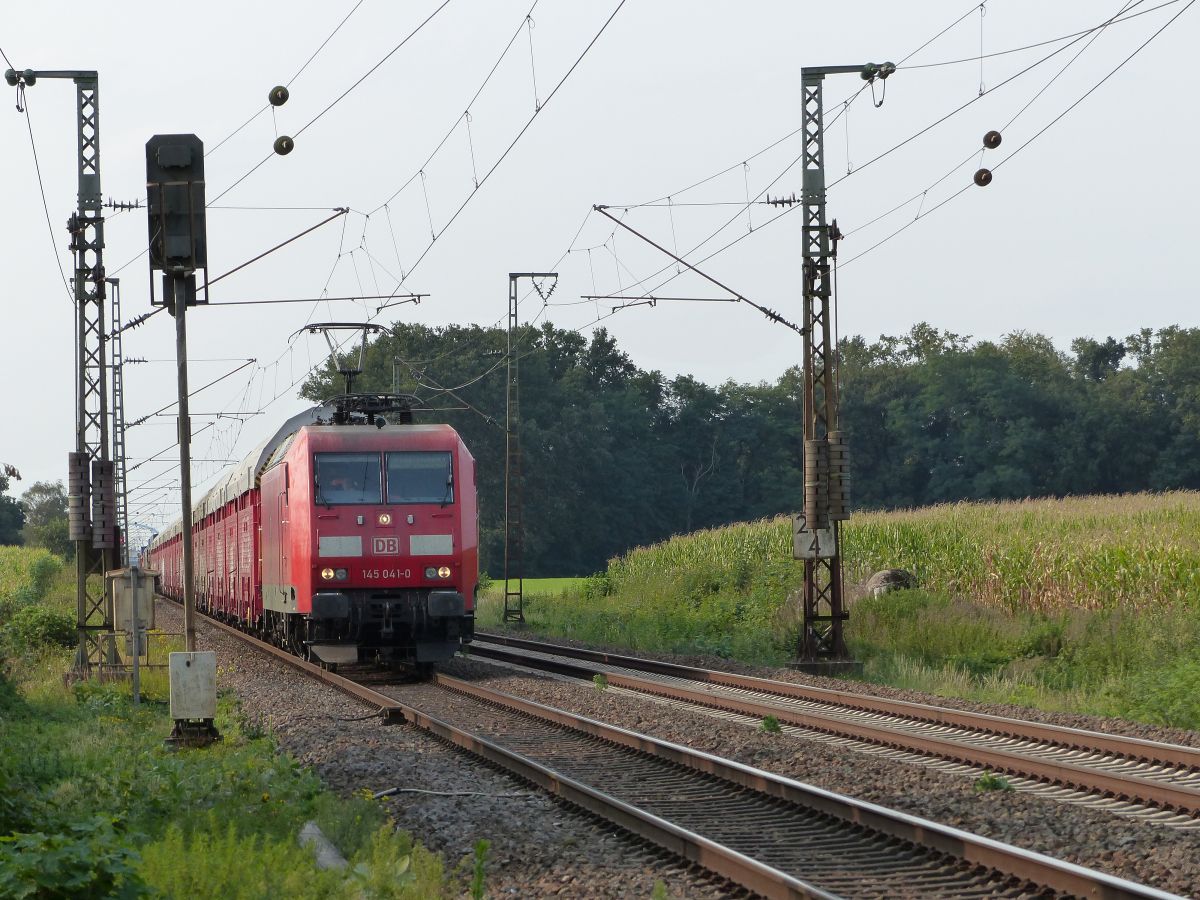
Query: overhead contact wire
[[339, 98]]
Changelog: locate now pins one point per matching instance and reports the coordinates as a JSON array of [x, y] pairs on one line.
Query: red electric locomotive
[[343, 538]]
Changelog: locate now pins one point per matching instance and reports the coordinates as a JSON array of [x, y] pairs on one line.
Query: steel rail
[[390, 710], [1126, 786], [714, 857], [973, 850], [1075, 738]]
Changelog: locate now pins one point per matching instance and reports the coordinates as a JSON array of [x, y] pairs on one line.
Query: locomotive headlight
[[385, 518], [328, 574], [340, 574], [444, 572], [431, 572]]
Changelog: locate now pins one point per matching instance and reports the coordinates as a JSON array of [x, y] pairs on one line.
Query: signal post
[[178, 247]]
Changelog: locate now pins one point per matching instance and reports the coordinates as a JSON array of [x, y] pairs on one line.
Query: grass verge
[[93, 805], [1084, 604]]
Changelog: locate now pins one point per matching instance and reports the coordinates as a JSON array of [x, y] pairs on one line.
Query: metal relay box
[[130, 585], [193, 685]]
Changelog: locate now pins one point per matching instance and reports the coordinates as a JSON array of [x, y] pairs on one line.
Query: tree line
[[38, 518], [616, 456]]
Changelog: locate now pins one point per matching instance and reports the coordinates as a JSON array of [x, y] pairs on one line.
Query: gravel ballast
[[539, 847], [1162, 857], [1104, 724]]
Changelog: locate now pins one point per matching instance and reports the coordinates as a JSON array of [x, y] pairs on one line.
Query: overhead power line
[[507, 150], [307, 372], [1116, 20], [23, 106], [962, 190], [190, 394], [769, 313], [340, 97], [934, 124], [464, 115], [640, 286]]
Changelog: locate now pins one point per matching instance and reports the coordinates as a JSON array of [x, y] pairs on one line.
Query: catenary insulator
[[983, 177], [284, 144], [991, 140], [279, 95]]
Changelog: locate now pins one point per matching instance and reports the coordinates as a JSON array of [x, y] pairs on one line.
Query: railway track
[[1131, 773], [772, 835]]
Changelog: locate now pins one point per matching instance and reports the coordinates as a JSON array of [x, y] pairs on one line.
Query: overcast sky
[[1089, 230]]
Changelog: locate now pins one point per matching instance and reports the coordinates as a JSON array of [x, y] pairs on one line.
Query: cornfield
[[1126, 551]]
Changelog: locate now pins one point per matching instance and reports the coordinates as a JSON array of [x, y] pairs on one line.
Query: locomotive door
[[282, 514], [273, 497]]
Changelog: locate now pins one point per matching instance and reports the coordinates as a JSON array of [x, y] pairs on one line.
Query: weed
[[989, 781], [659, 892], [392, 867], [600, 680], [223, 862], [479, 869], [349, 823], [769, 725], [98, 696]]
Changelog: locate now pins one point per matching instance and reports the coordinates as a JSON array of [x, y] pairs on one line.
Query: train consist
[[343, 538]]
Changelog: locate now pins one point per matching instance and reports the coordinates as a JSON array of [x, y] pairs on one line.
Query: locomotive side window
[[420, 477], [347, 478]]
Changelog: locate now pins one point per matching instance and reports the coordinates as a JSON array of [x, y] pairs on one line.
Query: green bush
[[224, 864], [391, 867], [87, 860], [36, 626], [26, 574], [41, 573], [1166, 694], [99, 696]]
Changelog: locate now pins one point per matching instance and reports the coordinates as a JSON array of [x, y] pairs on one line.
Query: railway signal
[[178, 247]]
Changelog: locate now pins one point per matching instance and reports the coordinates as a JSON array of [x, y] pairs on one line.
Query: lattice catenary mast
[[91, 500], [514, 528], [816, 531]]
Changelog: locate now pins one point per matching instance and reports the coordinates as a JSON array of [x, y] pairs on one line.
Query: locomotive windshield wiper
[[320, 498], [449, 488]]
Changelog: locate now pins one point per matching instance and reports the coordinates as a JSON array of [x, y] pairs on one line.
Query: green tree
[[1095, 361], [615, 456], [12, 518], [1167, 379], [46, 524]]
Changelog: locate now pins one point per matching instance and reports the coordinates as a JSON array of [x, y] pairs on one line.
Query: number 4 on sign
[[819, 543]]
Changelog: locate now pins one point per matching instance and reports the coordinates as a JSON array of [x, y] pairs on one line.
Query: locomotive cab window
[[347, 478], [419, 476]]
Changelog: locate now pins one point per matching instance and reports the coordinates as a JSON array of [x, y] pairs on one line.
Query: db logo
[[386, 546]]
